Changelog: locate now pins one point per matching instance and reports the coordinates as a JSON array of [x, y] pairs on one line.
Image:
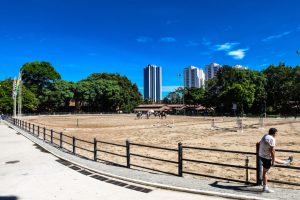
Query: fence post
[[33, 129], [60, 140], [29, 127], [44, 134], [258, 166], [38, 133], [180, 159], [247, 170], [95, 149], [51, 136], [74, 145], [128, 153]]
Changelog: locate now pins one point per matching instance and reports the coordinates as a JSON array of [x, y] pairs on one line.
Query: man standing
[[267, 156]]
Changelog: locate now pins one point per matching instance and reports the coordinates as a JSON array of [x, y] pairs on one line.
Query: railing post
[[128, 153], [180, 159], [38, 133], [51, 136], [74, 145], [258, 166], [33, 129], [29, 128], [95, 149], [44, 134], [247, 170], [60, 139]]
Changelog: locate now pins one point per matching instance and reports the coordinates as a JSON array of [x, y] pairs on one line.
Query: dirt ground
[[190, 131]]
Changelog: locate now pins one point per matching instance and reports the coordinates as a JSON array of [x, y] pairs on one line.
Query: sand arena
[[190, 131]]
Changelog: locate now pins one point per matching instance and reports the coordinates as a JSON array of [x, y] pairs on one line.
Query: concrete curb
[[151, 184]]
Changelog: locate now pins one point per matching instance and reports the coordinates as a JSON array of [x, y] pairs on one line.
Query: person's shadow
[[241, 188], [8, 198]]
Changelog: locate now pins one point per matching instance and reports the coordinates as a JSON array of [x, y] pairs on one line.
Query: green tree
[[107, 92], [29, 100], [231, 85], [172, 98], [296, 89], [175, 97], [279, 88], [194, 96], [38, 77], [58, 96]]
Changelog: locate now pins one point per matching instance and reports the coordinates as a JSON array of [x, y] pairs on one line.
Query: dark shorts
[[267, 163]]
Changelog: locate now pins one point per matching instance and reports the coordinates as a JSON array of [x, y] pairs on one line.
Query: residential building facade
[[211, 70], [193, 77], [153, 83]]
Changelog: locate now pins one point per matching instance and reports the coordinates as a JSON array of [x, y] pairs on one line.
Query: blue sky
[[80, 37]]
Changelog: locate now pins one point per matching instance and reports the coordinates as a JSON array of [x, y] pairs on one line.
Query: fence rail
[[61, 140], [153, 147], [218, 150]]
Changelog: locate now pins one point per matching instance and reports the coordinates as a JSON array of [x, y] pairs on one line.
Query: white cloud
[[206, 42], [170, 88], [192, 44], [226, 46], [276, 36], [143, 39], [167, 39], [238, 54]]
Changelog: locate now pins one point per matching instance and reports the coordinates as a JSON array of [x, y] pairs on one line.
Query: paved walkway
[[165, 181], [29, 172]]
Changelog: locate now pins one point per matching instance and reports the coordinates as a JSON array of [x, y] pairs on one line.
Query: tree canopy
[[275, 89], [30, 102]]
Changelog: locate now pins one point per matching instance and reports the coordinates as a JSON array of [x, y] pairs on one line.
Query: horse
[[139, 115], [162, 114], [149, 113]]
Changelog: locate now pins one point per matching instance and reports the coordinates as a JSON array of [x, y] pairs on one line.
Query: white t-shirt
[[265, 145]]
